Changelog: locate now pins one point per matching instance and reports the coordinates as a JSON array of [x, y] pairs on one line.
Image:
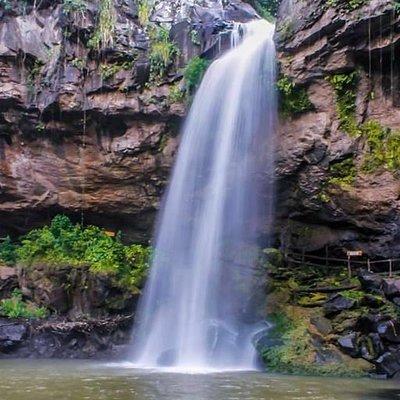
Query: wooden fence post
[[349, 267]]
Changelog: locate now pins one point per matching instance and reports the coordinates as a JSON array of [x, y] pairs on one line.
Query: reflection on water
[[82, 380]]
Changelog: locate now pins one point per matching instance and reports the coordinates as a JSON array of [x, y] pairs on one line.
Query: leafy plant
[[347, 5], [144, 12], [15, 307], [103, 35], [7, 251], [74, 6], [343, 172], [65, 243], [293, 99], [383, 147], [345, 86], [176, 94], [162, 53], [107, 71], [194, 72]]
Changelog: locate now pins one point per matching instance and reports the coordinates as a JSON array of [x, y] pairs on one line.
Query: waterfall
[[198, 310]]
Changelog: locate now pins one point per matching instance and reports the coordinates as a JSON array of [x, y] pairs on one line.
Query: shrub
[[162, 54], [72, 6], [343, 172], [15, 307], [194, 72], [103, 35], [7, 251], [293, 99], [65, 243]]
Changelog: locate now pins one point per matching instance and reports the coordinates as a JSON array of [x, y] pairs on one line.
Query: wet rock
[[391, 288], [338, 303], [371, 347], [389, 363], [8, 281], [323, 325], [369, 281], [348, 344], [11, 335], [389, 330]]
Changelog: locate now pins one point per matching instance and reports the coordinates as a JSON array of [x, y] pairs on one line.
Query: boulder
[[348, 344], [389, 363], [8, 281], [369, 281], [337, 303], [391, 288], [12, 334], [389, 330]]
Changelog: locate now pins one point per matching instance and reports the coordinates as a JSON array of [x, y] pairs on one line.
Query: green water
[[82, 380]]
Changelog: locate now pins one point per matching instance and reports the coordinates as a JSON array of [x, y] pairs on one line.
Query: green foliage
[[343, 173], [65, 243], [73, 6], [78, 63], [293, 99], [107, 71], [33, 72], [103, 35], [176, 94], [144, 12], [267, 9], [15, 307], [347, 5], [383, 147], [6, 5], [162, 53], [345, 86], [7, 251], [194, 72]]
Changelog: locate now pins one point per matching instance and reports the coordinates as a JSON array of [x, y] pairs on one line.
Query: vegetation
[[267, 9], [65, 243], [176, 94], [15, 307], [144, 11], [162, 53], [7, 251], [107, 71], [73, 6], [347, 5], [194, 72], [383, 147], [343, 173], [103, 35], [293, 99], [345, 86]]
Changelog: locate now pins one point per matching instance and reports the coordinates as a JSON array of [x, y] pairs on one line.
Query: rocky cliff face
[[339, 156], [84, 128]]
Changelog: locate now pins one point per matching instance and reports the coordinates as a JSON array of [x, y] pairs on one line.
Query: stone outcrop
[[315, 41], [81, 130]]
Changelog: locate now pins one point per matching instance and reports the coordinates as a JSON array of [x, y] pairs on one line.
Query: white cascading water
[[198, 309]]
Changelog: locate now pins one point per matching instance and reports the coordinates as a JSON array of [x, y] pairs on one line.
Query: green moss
[[345, 86], [103, 36], [194, 72], [15, 307], [293, 99], [294, 352], [347, 5], [64, 243], [342, 173], [162, 54], [383, 147]]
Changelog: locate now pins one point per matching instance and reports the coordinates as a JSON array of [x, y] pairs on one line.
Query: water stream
[[199, 310]]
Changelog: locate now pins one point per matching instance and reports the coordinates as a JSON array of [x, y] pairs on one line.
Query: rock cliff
[[85, 127], [338, 158]]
